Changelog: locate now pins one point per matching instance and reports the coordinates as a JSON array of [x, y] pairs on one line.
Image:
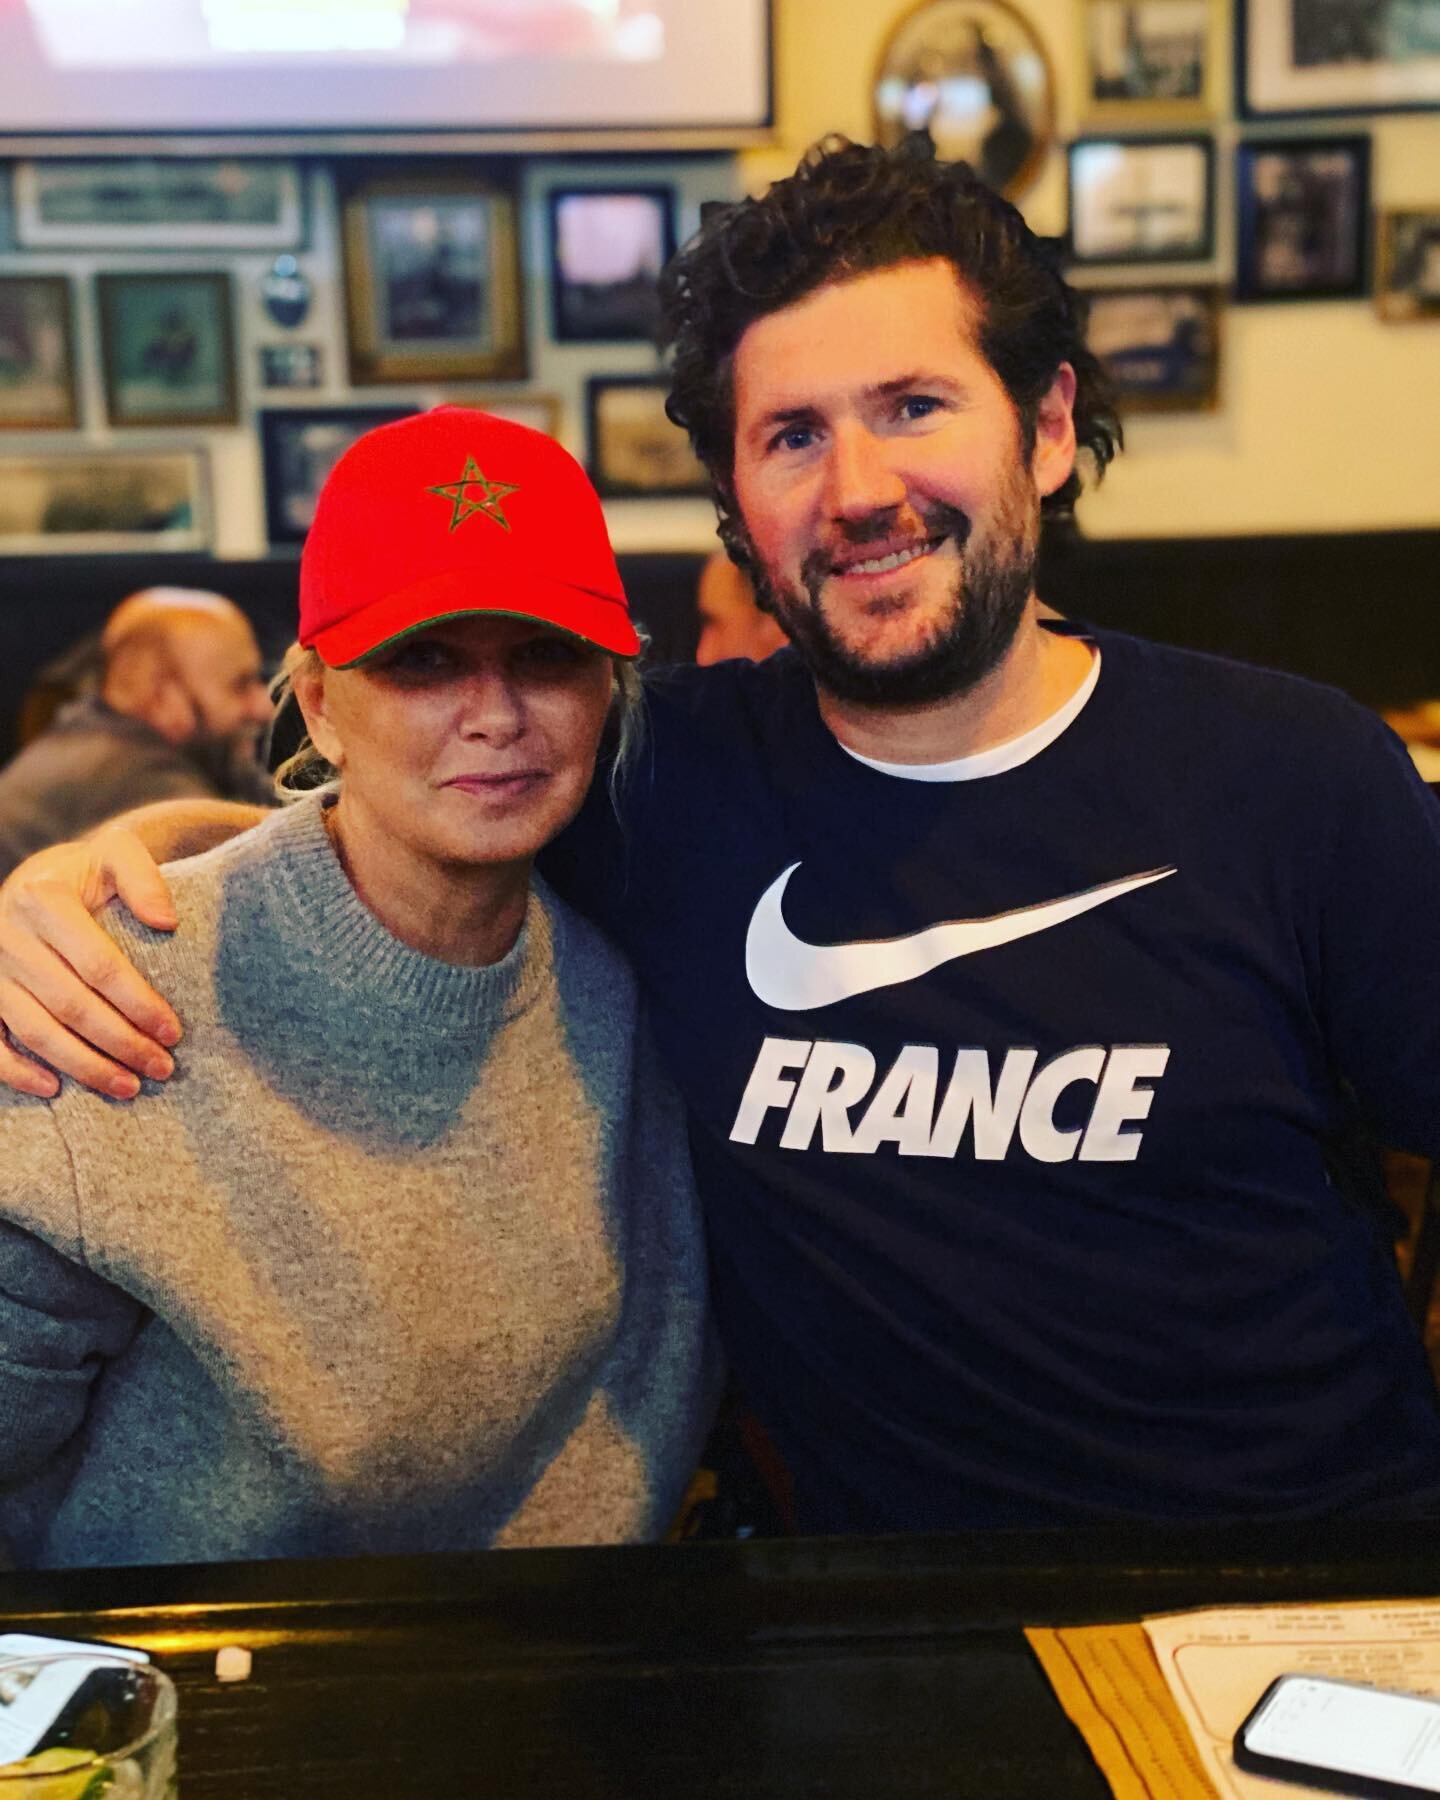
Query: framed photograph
[[1302, 218], [974, 75], [1407, 266], [607, 248], [1160, 345], [634, 448], [292, 366], [432, 280], [168, 349], [84, 502], [1150, 60], [1135, 200], [37, 369], [1294, 57], [298, 449], [158, 203]]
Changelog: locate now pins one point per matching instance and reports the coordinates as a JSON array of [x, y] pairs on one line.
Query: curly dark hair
[[847, 209]]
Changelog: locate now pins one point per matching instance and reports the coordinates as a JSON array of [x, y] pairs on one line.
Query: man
[[731, 624], [1018, 976], [180, 706]]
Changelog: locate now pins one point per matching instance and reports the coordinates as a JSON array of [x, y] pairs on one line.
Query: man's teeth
[[881, 565]]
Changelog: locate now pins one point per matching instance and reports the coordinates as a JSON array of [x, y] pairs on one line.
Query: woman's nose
[[493, 708]]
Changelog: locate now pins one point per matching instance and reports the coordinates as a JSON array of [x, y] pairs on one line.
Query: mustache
[[938, 520]]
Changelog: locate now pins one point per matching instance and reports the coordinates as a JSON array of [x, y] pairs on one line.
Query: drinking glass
[[113, 1737]]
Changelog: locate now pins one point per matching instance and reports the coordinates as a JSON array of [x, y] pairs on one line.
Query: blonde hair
[[306, 769]]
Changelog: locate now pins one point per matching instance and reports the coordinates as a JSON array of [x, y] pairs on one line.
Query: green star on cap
[[467, 504]]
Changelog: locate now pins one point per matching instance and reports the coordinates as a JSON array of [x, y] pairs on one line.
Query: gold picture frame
[[1407, 264], [432, 278], [1150, 62]]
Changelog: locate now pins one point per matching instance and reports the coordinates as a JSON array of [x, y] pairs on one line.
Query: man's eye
[[793, 437], [918, 406]]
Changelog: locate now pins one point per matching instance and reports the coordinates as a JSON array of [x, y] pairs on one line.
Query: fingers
[[132, 873], [24, 1076], [33, 1028], [75, 968]]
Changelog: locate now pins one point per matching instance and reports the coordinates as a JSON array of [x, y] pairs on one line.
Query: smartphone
[[1343, 1737]]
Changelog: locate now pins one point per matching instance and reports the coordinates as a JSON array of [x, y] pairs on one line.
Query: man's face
[[217, 665], [880, 479]]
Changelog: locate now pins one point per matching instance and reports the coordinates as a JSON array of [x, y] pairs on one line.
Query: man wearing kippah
[[1021, 978]]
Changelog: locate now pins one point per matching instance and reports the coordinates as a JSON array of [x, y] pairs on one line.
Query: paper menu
[[1218, 1663]]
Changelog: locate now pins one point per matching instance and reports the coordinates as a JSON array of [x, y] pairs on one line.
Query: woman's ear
[[1054, 454], [308, 685]]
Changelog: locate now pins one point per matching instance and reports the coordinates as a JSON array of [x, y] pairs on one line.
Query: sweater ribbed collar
[[365, 961]]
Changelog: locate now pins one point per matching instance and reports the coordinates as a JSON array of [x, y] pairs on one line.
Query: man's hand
[[67, 992]]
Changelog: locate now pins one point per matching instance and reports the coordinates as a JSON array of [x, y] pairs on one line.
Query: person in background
[[1022, 977], [411, 1259], [731, 624], [178, 715]]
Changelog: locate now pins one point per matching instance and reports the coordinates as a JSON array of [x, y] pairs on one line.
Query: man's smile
[[883, 561]]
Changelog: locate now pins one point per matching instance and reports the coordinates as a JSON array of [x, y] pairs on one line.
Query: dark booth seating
[[1356, 610]]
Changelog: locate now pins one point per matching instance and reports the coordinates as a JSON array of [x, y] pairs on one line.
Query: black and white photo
[[607, 248], [1141, 199], [1302, 218]]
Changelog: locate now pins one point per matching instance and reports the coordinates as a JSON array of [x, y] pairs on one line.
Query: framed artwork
[[432, 280], [83, 502], [541, 412], [1294, 57], [1407, 265], [37, 369], [1302, 218], [1135, 200], [635, 450], [1160, 345], [1149, 61], [292, 366], [167, 345], [974, 75], [607, 248], [299, 446], [158, 203]]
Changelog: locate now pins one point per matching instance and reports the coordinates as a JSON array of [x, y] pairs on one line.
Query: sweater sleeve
[[59, 1321], [1379, 962]]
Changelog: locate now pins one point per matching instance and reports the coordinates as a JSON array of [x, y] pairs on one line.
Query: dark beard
[[991, 591]]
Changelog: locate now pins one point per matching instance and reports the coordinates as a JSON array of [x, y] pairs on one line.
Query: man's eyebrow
[[915, 381]]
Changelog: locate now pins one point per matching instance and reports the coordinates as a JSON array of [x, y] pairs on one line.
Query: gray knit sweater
[[405, 1256]]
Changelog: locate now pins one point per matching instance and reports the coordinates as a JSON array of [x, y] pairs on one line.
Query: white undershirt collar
[[999, 757]]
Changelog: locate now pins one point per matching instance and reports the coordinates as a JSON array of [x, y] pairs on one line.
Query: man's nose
[[859, 478]]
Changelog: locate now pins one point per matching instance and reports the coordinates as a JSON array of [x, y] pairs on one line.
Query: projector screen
[[328, 68]]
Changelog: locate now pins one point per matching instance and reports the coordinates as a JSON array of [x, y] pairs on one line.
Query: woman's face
[[471, 743]]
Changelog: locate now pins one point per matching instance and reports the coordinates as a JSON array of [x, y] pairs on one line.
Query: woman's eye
[[554, 653], [416, 657]]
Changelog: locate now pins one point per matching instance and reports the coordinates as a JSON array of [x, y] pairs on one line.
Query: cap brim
[[593, 618]]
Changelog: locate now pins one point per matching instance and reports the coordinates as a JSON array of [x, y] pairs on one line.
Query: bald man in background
[[178, 715]]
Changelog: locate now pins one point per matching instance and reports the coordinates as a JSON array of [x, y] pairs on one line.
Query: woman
[[405, 1255]]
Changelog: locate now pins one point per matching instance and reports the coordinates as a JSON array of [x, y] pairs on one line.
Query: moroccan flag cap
[[451, 513]]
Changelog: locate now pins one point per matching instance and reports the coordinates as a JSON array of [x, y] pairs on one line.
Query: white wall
[[1328, 419]]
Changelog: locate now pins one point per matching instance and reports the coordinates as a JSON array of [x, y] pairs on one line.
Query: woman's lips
[[509, 786]]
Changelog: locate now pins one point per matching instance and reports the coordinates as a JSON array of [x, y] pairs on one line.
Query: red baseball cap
[[450, 513]]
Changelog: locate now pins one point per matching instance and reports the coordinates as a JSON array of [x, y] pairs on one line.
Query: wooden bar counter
[[878, 1669]]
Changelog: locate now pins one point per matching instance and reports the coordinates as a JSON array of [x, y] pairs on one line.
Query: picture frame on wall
[[432, 279], [37, 363], [299, 445], [1159, 345], [167, 345], [143, 203], [1142, 199], [1302, 218], [634, 449], [90, 502], [975, 76], [541, 412], [607, 248], [1407, 265], [1299, 57], [1150, 61]]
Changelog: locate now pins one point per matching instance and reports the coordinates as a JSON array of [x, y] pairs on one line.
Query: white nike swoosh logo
[[793, 976]]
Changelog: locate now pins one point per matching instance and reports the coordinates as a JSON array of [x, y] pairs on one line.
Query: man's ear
[[1054, 455], [308, 685]]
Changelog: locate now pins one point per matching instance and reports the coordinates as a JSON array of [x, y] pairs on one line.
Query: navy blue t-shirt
[[1010, 1096]]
